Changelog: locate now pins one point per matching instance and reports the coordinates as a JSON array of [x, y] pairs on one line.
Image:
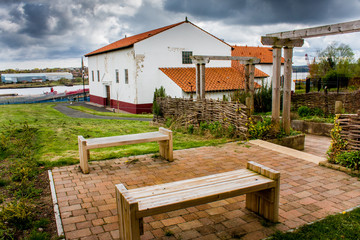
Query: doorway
[[108, 99]]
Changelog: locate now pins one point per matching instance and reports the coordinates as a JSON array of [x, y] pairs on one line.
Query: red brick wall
[[97, 100], [125, 106]]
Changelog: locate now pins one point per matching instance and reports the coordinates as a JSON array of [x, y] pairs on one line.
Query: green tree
[[336, 62]]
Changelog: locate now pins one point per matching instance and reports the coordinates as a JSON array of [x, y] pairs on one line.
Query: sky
[[57, 33]]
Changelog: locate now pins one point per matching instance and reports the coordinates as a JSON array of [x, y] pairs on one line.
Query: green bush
[[317, 112], [262, 98], [156, 107], [216, 129], [337, 144], [18, 213], [190, 129], [35, 235], [304, 111], [349, 159], [260, 129], [6, 233], [3, 182]]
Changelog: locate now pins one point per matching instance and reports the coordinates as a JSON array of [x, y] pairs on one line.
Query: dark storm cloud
[[260, 12], [48, 29]]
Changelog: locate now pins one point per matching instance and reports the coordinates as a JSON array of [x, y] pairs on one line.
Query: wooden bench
[[260, 184], [163, 137]]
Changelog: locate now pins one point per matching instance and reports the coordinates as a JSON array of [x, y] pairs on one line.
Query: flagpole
[[82, 75]]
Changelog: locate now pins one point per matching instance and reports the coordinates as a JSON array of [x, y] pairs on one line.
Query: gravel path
[[63, 107]]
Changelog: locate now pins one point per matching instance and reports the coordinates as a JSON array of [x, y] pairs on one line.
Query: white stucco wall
[[165, 50], [106, 63], [268, 68]]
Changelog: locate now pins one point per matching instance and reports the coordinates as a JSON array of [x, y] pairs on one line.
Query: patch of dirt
[[45, 207]]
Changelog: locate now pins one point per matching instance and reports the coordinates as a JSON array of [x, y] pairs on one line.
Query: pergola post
[[201, 60], [202, 81], [198, 80], [275, 109], [247, 77], [288, 55]]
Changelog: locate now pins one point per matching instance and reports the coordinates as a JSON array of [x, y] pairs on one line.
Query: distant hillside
[[303, 68]]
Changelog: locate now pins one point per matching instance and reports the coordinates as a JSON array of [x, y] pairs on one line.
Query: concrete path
[[63, 107], [308, 193]]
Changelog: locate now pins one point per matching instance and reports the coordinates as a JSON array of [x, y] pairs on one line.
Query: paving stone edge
[[59, 225]]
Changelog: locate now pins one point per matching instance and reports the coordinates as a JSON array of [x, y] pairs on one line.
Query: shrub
[[262, 98], [34, 235], [338, 144], [317, 112], [260, 129], [18, 213], [350, 159], [216, 129], [156, 107], [190, 129], [304, 111]]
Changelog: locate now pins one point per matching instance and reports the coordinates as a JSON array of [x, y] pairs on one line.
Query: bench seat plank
[[192, 197], [190, 183], [163, 137], [103, 142]]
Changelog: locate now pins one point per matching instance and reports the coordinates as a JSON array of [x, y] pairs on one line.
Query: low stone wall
[[326, 102], [322, 129], [296, 142]]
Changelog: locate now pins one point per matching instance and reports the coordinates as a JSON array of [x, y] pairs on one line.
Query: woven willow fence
[[350, 124], [188, 112]]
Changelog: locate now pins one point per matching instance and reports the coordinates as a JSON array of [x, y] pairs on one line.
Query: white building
[[124, 74], [34, 77]]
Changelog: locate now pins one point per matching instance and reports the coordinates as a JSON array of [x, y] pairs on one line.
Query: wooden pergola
[[288, 40], [201, 60]]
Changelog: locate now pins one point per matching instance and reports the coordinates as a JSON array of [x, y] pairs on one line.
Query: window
[[92, 75], [117, 75], [186, 57], [126, 76], [98, 73]]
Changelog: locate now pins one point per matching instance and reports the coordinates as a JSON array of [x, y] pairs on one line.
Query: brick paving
[[317, 145], [308, 193]]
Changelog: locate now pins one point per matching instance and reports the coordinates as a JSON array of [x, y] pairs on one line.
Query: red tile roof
[[129, 41], [264, 53], [216, 79]]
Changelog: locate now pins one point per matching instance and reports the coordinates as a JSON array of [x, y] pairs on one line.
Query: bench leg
[[263, 203], [166, 147], [83, 155], [130, 227]]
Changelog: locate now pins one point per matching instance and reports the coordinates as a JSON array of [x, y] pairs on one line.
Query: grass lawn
[[340, 226], [56, 135], [111, 114]]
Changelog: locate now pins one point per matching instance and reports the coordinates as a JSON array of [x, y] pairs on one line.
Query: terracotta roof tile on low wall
[[216, 78], [264, 53]]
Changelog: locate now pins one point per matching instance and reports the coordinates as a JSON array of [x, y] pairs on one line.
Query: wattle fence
[[350, 124], [193, 112]]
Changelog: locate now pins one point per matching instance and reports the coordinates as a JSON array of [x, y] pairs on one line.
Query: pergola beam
[[207, 59], [275, 41], [339, 28]]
